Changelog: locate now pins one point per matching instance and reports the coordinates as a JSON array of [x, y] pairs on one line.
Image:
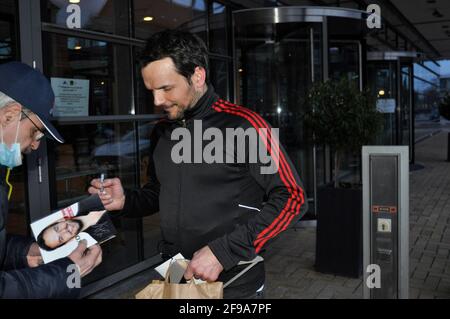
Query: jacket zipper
[[180, 176]]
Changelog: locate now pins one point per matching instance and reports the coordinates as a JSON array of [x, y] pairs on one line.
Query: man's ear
[[199, 77], [11, 112]]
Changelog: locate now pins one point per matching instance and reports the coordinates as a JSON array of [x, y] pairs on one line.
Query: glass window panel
[[426, 100], [432, 66], [382, 83], [109, 16], [9, 41], [219, 76], [269, 84], [425, 74], [151, 224], [9, 51], [217, 29], [344, 61], [90, 149], [144, 97], [89, 77], [189, 15]]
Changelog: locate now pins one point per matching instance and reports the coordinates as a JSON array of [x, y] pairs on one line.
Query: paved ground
[[430, 220], [289, 266], [290, 271]]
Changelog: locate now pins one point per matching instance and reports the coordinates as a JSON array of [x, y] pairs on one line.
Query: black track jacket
[[216, 204]]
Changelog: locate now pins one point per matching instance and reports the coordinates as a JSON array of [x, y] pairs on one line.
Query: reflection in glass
[[426, 94], [381, 80], [219, 76], [217, 29], [344, 61], [274, 76], [92, 149], [8, 33], [405, 107], [169, 14], [106, 66], [109, 16]]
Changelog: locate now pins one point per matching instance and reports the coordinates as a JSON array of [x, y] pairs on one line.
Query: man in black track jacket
[[218, 207]]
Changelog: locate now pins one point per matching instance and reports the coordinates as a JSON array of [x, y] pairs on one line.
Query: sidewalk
[[430, 220], [289, 266]]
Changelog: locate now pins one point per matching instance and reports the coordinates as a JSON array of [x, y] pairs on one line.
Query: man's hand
[[204, 265], [86, 258], [113, 197], [34, 257]]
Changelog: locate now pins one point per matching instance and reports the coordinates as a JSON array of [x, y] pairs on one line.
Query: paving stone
[[432, 282]]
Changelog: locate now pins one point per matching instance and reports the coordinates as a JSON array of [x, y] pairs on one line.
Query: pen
[[102, 179]]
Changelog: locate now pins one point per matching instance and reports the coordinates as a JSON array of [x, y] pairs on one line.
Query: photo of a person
[[96, 223]]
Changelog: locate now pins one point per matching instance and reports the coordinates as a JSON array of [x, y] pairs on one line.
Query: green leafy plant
[[343, 117]]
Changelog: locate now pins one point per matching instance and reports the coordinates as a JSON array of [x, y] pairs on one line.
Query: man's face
[[29, 137], [171, 90], [60, 233], [29, 133]]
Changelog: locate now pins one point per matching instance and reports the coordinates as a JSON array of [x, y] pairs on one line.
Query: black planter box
[[339, 232]]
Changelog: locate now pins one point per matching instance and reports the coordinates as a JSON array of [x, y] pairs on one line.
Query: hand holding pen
[[110, 191]]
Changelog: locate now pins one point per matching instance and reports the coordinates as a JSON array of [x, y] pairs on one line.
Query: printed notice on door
[[71, 97]]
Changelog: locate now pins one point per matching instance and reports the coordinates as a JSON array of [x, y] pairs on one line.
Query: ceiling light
[[381, 93], [74, 1], [77, 47], [147, 19]]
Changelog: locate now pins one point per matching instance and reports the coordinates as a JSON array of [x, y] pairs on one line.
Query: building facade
[[89, 50]]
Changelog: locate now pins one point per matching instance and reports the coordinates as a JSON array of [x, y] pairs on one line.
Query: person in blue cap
[[26, 101]]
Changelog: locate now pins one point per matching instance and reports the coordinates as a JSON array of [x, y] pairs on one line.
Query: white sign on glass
[[386, 105], [71, 97]]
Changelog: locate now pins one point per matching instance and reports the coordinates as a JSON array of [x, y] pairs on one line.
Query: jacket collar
[[203, 106]]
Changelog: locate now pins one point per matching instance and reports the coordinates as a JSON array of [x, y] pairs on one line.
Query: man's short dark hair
[[186, 50], [40, 239]]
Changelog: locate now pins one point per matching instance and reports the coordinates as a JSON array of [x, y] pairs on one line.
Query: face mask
[[10, 157]]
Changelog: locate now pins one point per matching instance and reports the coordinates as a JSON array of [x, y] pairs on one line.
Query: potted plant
[[343, 118]]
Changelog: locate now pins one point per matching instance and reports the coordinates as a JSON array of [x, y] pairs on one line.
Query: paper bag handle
[[251, 264]]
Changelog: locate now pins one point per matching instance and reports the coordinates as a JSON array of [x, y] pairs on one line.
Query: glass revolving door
[[279, 53], [275, 70]]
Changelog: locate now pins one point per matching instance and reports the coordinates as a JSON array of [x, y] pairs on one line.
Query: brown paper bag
[[159, 289]]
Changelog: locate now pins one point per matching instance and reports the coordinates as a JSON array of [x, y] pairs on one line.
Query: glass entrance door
[[406, 107], [382, 82], [9, 51], [277, 64]]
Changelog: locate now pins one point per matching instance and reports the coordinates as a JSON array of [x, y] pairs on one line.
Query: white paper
[[162, 269]]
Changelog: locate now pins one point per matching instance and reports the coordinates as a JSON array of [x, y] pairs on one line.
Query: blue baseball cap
[[32, 90]]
